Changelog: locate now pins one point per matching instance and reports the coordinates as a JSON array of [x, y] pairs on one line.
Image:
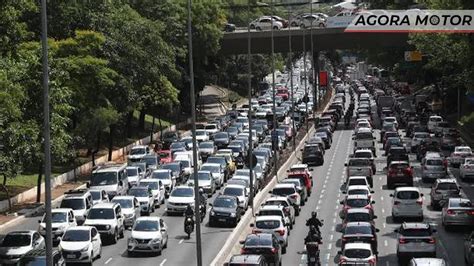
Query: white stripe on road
[[383, 210], [181, 241], [330, 246], [109, 260], [385, 243], [331, 237], [163, 262], [384, 225]]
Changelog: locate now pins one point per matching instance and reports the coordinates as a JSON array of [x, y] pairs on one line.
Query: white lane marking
[[321, 196], [385, 243], [324, 186], [322, 191], [181, 241], [384, 225], [317, 207], [334, 220], [383, 210], [329, 246], [163, 262], [333, 228], [331, 237], [109, 260], [319, 202], [381, 198], [328, 256]]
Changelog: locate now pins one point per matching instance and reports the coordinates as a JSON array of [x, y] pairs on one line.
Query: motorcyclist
[[203, 201], [189, 212], [314, 221], [313, 235]]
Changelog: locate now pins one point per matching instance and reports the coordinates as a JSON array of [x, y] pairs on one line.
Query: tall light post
[[250, 111], [197, 199], [315, 93], [291, 79], [306, 98], [274, 132], [46, 132]]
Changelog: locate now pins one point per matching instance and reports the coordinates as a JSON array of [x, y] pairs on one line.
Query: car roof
[[428, 261], [104, 205], [357, 187], [124, 197], [300, 165], [407, 189], [272, 207], [358, 210], [24, 232], [446, 180], [357, 197], [148, 218], [161, 170], [234, 186], [283, 185], [268, 218], [357, 246], [415, 226], [80, 227], [364, 130], [358, 224], [277, 198]]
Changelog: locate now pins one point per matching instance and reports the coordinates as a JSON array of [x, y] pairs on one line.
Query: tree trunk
[[4, 188], [141, 120], [111, 141], [39, 181], [128, 125], [99, 135], [161, 126], [152, 130]]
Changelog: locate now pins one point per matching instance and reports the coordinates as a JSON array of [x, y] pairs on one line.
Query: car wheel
[[100, 253], [115, 236], [122, 232], [283, 250], [302, 26], [321, 25], [159, 251], [275, 28], [258, 29]]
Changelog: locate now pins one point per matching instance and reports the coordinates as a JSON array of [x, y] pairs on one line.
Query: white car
[[107, 218], [138, 152], [129, 205], [166, 178], [149, 234], [415, 240], [407, 202], [134, 174], [273, 225], [357, 253], [202, 135], [238, 191], [17, 243], [145, 199], [289, 191], [433, 122], [179, 199], [205, 181], [211, 128], [157, 189], [81, 244], [266, 23], [312, 20], [391, 119], [216, 171], [271, 210], [285, 203], [99, 196], [61, 220], [359, 190], [466, 170], [417, 138], [460, 152]]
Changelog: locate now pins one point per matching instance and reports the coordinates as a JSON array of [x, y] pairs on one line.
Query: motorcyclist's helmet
[[314, 214], [201, 191]]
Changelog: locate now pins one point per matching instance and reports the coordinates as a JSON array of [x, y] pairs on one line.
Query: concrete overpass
[[323, 39]]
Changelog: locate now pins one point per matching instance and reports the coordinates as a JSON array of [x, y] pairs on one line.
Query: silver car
[[469, 249], [458, 211], [443, 189], [433, 168], [415, 240], [417, 138], [427, 261], [466, 170]]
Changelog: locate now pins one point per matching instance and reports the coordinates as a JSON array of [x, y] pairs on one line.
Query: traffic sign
[[254, 161], [411, 56]]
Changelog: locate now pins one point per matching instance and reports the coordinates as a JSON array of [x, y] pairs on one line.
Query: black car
[[229, 27], [360, 232], [397, 154], [38, 257], [325, 129], [177, 170], [263, 244], [425, 146], [168, 138], [225, 210], [312, 155]]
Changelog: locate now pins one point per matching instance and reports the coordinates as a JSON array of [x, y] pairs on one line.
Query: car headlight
[[107, 227], [128, 215], [85, 249], [156, 240], [233, 214], [213, 213], [131, 240]]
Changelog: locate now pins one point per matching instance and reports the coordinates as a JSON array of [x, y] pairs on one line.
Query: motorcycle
[[312, 253], [188, 225]]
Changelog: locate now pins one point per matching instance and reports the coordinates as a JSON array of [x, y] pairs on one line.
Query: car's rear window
[[447, 186], [283, 191], [364, 135], [269, 224], [258, 241], [350, 230], [357, 203], [360, 162], [357, 217], [358, 192], [269, 212], [357, 182], [434, 162], [416, 232], [406, 195], [357, 253], [399, 166]]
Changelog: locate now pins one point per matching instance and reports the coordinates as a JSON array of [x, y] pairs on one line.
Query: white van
[[111, 178]]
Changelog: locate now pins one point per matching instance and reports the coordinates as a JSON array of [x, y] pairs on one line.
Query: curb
[[232, 240]]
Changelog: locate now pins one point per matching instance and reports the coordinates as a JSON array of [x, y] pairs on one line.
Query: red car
[[399, 172], [304, 178], [283, 93], [165, 156]]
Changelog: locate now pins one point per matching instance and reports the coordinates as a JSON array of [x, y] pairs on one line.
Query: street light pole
[[249, 156], [306, 98], [315, 93], [197, 199], [46, 136], [274, 133], [291, 80]]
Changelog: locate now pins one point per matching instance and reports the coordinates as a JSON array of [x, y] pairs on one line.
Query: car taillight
[[342, 260], [432, 240], [274, 250], [408, 171], [450, 212], [368, 207], [402, 240], [372, 239], [419, 202], [467, 166], [293, 196], [392, 172], [396, 202], [243, 251], [281, 232], [471, 212], [372, 260], [445, 163], [256, 231]]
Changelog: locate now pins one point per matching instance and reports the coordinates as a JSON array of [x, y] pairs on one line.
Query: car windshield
[[146, 226], [138, 192], [171, 166], [405, 195], [268, 224], [434, 162], [76, 235], [103, 179], [258, 241], [447, 186], [101, 213], [270, 212], [96, 195], [150, 160], [210, 168], [137, 151], [357, 217], [355, 230], [357, 253], [233, 191], [204, 145], [225, 203], [124, 203], [360, 162], [161, 175], [182, 192], [132, 171], [221, 135], [357, 203], [203, 176], [58, 217], [283, 191], [152, 184], [416, 232], [16, 240], [364, 135], [75, 204], [358, 192]]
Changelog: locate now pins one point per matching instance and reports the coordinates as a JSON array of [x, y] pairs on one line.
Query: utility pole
[[315, 92], [291, 80], [197, 199], [250, 111], [274, 133], [46, 136], [306, 98]]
